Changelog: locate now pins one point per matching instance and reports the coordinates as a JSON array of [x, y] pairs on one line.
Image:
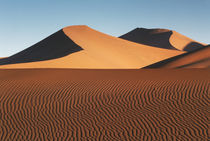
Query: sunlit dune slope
[[162, 38], [196, 59], [93, 49], [182, 42]]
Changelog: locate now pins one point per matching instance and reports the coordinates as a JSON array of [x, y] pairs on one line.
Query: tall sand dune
[[162, 38], [86, 48], [55, 46], [199, 58], [56, 104]]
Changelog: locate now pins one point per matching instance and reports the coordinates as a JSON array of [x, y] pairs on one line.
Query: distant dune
[[162, 38], [56, 104], [199, 58], [83, 47], [55, 46]]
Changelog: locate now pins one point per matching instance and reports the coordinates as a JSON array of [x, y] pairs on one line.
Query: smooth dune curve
[[162, 38], [196, 59], [184, 43], [55, 46], [56, 104], [101, 51]]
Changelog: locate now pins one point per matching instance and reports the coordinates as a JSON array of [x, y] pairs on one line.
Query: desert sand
[[88, 49], [50, 90], [199, 58], [65, 104], [162, 38]]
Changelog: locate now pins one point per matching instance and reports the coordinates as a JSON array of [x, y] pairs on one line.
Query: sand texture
[[162, 38], [83, 47], [81, 84], [154, 104]]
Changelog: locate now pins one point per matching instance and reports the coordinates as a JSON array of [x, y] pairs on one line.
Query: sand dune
[[162, 38], [46, 102], [196, 59], [88, 49], [55, 46], [50, 104]]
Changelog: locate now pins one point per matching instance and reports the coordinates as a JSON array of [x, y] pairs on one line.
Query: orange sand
[[196, 59], [181, 42], [162, 38], [53, 104], [101, 51]]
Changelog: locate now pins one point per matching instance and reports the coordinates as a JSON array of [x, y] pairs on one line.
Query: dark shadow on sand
[[55, 46], [167, 61], [191, 46], [153, 38], [148, 37]]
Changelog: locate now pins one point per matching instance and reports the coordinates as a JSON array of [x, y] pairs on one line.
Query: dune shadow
[[194, 63], [55, 46], [167, 61], [192, 46], [148, 37]]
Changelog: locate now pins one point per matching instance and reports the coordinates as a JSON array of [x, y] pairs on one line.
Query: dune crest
[[184, 43], [162, 38], [199, 58], [55, 46], [101, 51]]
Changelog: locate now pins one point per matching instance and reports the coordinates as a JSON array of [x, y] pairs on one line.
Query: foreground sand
[[67, 104]]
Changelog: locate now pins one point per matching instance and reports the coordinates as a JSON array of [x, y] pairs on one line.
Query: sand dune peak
[[89, 48]]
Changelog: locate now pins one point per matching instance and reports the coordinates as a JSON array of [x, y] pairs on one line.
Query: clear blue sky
[[25, 22]]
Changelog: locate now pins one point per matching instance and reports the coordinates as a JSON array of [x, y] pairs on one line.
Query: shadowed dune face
[[151, 37], [162, 38], [101, 51], [55, 46], [104, 104], [199, 58], [191, 46]]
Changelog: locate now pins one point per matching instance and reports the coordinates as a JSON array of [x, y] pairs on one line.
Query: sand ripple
[[104, 110]]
